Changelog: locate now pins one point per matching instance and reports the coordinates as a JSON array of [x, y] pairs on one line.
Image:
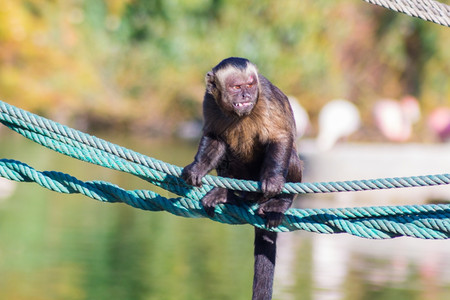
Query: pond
[[55, 246]]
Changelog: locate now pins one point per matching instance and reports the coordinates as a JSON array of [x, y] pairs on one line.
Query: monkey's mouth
[[243, 108], [242, 104]]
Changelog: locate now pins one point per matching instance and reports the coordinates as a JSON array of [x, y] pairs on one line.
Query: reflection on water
[[55, 246], [346, 267]]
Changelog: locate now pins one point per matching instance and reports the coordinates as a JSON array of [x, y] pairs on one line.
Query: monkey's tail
[[265, 253]]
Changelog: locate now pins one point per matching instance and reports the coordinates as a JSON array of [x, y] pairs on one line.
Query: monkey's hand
[[272, 185], [193, 174]]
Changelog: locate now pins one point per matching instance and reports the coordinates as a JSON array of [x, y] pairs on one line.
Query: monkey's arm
[[275, 166], [210, 152]]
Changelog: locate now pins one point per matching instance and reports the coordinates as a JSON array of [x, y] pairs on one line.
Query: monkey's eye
[[250, 85], [237, 87]]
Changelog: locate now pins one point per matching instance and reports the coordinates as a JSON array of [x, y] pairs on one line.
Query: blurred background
[[138, 66], [370, 90]]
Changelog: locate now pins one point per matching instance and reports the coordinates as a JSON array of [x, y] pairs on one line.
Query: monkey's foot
[[212, 198], [273, 210]]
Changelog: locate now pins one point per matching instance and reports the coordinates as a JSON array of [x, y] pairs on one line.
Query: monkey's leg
[[265, 253]]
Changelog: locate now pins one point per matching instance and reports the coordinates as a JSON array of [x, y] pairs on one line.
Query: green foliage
[[137, 65]]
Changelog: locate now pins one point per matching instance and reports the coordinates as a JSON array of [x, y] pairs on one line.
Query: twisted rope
[[428, 10], [424, 221], [94, 150]]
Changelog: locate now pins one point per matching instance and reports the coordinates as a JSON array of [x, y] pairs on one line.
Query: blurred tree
[[138, 65]]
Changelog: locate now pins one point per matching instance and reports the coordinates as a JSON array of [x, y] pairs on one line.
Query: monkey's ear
[[210, 79]]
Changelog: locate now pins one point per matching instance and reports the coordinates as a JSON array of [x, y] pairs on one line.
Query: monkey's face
[[240, 92]]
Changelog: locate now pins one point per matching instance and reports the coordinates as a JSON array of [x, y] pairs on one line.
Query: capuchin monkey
[[248, 133]]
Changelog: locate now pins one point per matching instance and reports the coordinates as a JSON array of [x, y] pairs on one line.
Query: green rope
[[422, 221]]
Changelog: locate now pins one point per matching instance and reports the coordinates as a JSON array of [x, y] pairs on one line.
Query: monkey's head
[[234, 85]]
